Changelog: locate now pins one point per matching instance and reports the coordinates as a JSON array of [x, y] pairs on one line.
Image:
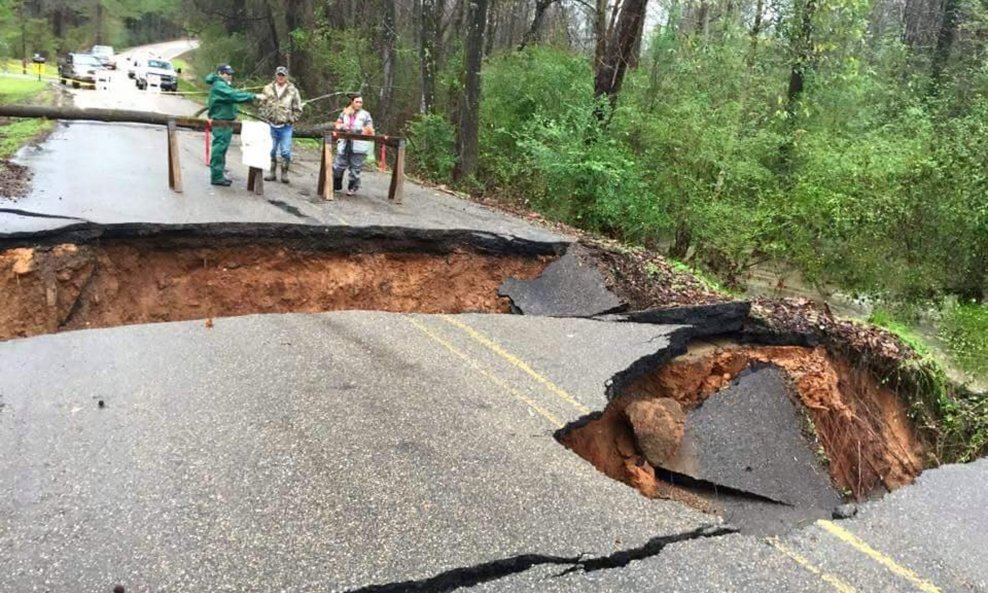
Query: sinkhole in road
[[73, 286], [769, 437]]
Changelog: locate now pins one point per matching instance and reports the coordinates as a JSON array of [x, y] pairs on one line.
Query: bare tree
[[622, 33], [467, 141], [389, 38], [945, 41], [533, 31], [430, 21]]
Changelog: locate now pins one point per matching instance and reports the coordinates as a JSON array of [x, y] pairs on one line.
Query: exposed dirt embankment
[[76, 286], [860, 426]]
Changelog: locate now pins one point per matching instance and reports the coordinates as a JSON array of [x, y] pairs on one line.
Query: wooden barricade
[[396, 191], [173, 123]]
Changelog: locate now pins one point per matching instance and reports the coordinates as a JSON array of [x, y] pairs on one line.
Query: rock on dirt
[[658, 425]]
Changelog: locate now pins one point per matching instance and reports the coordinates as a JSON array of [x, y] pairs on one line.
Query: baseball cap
[[225, 69], [281, 70]]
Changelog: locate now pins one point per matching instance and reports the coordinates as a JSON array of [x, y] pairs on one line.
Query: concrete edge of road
[[364, 239]]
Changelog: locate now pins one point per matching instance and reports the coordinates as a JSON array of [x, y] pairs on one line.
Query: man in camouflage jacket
[[281, 107]]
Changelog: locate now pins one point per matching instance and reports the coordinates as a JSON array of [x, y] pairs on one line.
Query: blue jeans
[[281, 142]]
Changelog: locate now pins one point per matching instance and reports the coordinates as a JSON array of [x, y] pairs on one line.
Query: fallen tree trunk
[[137, 117]]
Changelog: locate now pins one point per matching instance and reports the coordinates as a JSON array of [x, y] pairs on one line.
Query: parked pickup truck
[[78, 68], [156, 72], [105, 55]]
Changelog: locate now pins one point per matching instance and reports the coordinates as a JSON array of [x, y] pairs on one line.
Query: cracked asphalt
[[341, 451], [320, 452]]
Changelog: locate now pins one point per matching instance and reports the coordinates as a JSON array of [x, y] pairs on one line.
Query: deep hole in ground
[[855, 430], [72, 286]]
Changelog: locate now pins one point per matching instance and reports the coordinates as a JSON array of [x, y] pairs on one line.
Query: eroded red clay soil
[[76, 286], [861, 426]]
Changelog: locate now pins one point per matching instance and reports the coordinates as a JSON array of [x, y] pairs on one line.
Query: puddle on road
[[855, 434], [72, 286]]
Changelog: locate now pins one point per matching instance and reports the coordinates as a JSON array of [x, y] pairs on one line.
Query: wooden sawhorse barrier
[[173, 123], [396, 192]]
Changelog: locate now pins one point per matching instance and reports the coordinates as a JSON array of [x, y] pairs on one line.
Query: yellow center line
[[518, 363], [830, 579], [514, 392], [860, 545]]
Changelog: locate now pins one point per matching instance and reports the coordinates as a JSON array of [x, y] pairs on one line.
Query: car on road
[[134, 61], [78, 68], [104, 53], [156, 72]]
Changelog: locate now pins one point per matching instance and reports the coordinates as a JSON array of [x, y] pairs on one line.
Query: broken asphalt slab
[[326, 238], [749, 437], [571, 286], [706, 320], [333, 451]]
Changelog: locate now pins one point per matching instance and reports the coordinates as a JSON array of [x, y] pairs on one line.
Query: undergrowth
[[964, 330], [18, 132]]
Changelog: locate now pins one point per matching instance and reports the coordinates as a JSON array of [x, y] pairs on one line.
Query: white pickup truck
[[155, 72]]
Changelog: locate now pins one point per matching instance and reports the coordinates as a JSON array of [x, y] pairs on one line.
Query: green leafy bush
[[432, 147], [964, 330]]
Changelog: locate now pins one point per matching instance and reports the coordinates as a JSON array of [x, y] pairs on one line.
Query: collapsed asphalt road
[[371, 451], [350, 450]]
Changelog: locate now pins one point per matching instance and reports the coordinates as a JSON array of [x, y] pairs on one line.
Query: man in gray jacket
[[350, 154], [281, 107]]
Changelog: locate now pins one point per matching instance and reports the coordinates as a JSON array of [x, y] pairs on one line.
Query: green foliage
[[19, 90], [18, 132], [964, 330], [955, 420], [432, 147], [540, 138], [883, 317], [219, 47]]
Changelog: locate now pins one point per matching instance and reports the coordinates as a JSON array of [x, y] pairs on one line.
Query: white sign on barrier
[[255, 144]]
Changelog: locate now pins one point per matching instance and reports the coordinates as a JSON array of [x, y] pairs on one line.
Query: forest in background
[[846, 138]]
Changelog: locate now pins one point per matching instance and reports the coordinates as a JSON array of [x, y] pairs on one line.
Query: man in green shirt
[[222, 104]]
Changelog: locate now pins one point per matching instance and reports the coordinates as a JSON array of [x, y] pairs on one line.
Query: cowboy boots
[[273, 173], [284, 171]]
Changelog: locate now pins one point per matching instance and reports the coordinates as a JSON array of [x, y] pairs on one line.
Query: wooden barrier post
[[397, 190], [325, 188], [255, 180], [174, 168]]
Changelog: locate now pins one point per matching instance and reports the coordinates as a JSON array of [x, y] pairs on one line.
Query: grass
[[19, 90], [48, 69], [188, 81], [18, 132], [964, 330], [709, 282], [957, 417], [885, 318]]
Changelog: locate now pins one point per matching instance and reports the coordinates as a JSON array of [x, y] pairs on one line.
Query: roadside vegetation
[[17, 133]]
